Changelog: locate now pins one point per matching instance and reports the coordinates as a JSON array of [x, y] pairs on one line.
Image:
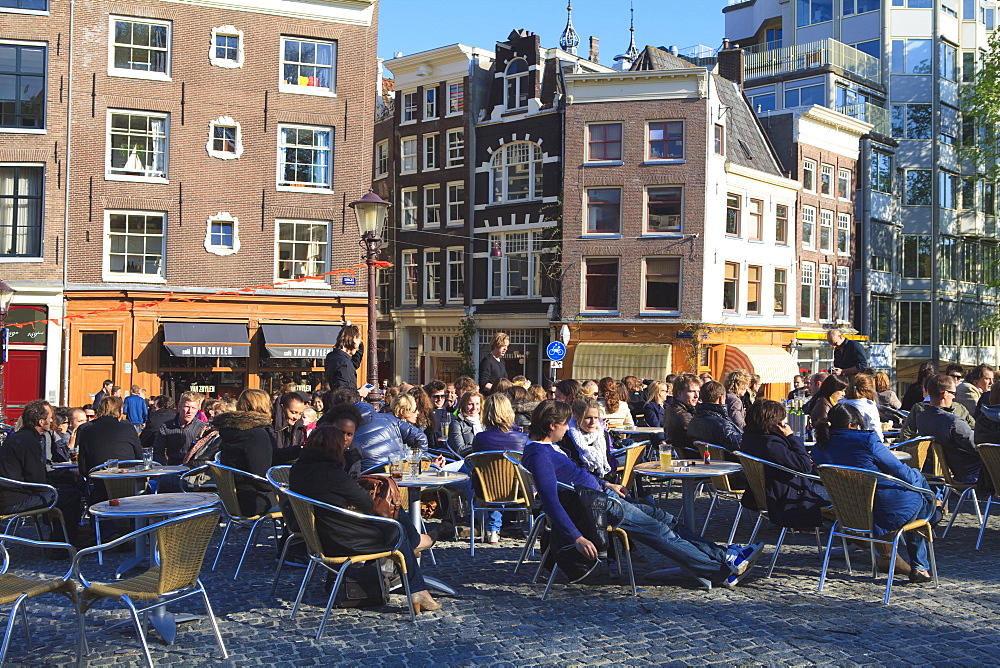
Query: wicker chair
[[278, 477], [496, 487], [536, 516], [17, 590], [722, 488], [181, 543], [852, 491], [225, 480], [303, 508], [965, 490], [755, 470], [13, 521], [633, 454], [990, 454], [917, 448], [115, 488]]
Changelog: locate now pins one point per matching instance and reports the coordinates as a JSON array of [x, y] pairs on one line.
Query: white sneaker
[[492, 537]]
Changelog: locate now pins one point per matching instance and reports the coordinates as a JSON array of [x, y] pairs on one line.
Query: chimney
[[594, 50], [731, 62]]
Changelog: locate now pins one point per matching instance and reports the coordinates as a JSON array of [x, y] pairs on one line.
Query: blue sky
[[411, 26]]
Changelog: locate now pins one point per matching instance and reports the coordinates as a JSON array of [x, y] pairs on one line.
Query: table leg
[[688, 486], [141, 553], [433, 584]]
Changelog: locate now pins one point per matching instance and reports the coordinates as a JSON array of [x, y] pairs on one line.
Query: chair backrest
[[718, 453], [632, 456], [852, 492], [7, 483], [990, 454], [278, 476], [524, 477], [753, 469], [225, 481], [182, 544], [941, 467], [304, 510], [495, 478], [917, 448]]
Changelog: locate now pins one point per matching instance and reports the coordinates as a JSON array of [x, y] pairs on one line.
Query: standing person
[[163, 411], [656, 398], [246, 444], [737, 383], [342, 363], [976, 384], [849, 356], [288, 428], [952, 432], [22, 458], [492, 368], [175, 437], [711, 422], [677, 416], [135, 409], [105, 391], [915, 392]]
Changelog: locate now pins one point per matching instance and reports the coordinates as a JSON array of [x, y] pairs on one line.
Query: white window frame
[[843, 294], [139, 74], [40, 257], [844, 175], [224, 121], [843, 227], [408, 260], [311, 187], [429, 145], [227, 31], [411, 157], [643, 304], [825, 287], [281, 282], [320, 91], [809, 227], [33, 12], [520, 82], [164, 178], [432, 285], [499, 166], [457, 204], [774, 291], [410, 109], [382, 159], [456, 147], [222, 251], [809, 166], [431, 103], [408, 209], [536, 249], [826, 223], [808, 279], [127, 277], [455, 256], [755, 216], [827, 170], [429, 207], [452, 97]]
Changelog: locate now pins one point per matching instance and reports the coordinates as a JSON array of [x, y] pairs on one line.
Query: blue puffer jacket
[[380, 435], [894, 505]]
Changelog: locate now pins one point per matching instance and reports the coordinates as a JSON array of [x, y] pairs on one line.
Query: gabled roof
[[652, 58], [746, 142]]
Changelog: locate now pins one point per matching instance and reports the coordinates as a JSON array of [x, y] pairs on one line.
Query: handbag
[[386, 499]]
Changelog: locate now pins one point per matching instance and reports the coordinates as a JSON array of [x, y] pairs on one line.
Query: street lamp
[[6, 297], [372, 212]]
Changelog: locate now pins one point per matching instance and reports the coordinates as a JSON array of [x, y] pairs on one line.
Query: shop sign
[[32, 334], [203, 389], [302, 353], [350, 280], [302, 388]]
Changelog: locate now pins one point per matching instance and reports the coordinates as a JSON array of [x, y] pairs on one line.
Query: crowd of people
[[567, 432]]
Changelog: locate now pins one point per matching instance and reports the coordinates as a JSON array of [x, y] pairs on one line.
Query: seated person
[[467, 423], [953, 433], [499, 434], [711, 422], [613, 400], [657, 396], [850, 444], [107, 437], [677, 416], [379, 435], [319, 474], [246, 444], [710, 563], [792, 501], [587, 442], [861, 394], [22, 459], [909, 429], [831, 391], [988, 417]]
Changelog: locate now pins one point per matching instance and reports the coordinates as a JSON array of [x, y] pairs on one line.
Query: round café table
[[416, 485], [145, 510], [138, 474], [689, 479]]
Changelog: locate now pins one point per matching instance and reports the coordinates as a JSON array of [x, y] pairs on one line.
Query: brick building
[[678, 228], [214, 145]]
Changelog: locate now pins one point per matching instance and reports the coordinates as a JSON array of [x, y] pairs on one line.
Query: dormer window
[[517, 84]]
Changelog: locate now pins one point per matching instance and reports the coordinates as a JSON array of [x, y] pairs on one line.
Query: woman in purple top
[[498, 434], [710, 563]]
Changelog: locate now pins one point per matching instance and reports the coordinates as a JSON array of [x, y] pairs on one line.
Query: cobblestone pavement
[[498, 619]]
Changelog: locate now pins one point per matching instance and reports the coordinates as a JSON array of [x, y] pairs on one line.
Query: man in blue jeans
[[709, 562]]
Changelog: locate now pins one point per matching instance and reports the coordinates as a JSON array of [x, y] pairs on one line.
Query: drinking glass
[[414, 462], [395, 470], [666, 456], [113, 466], [147, 458]]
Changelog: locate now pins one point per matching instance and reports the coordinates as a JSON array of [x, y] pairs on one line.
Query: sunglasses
[[438, 396]]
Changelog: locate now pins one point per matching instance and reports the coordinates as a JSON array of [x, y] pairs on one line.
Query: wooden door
[[22, 380], [96, 363]]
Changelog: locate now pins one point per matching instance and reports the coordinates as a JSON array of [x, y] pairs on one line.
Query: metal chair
[[13, 521], [917, 448], [225, 480], [755, 470], [990, 454], [115, 488], [181, 544], [852, 491], [535, 514], [633, 454], [304, 510], [722, 488], [965, 490], [17, 590], [278, 477], [495, 487]]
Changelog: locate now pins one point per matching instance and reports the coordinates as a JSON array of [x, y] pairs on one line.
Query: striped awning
[[772, 363], [617, 360]]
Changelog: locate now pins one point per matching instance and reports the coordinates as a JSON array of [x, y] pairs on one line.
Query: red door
[[22, 380]]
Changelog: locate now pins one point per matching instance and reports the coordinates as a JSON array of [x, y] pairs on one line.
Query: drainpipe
[[66, 185], [470, 199], [935, 196]]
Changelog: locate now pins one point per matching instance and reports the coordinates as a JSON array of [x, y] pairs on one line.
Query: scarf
[[592, 447], [477, 424]]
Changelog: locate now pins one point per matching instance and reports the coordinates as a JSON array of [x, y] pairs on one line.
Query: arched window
[[517, 172], [517, 84]]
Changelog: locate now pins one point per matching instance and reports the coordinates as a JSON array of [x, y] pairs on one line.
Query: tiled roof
[[746, 143]]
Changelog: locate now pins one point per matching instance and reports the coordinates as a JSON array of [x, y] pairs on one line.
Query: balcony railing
[[762, 62], [869, 113]]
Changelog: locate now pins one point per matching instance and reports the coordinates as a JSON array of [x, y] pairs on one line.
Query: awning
[[206, 339], [617, 360], [772, 363], [300, 341]]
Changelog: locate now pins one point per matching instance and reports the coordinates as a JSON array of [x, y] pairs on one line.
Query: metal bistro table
[[139, 474], [148, 509], [415, 487], [637, 430], [689, 480]]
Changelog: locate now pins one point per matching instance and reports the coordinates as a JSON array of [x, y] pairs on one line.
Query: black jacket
[[342, 369], [153, 423], [711, 424], [914, 395], [21, 458], [490, 371], [246, 446], [792, 501], [324, 479], [956, 439], [676, 417], [103, 439], [987, 422], [850, 354], [287, 438]]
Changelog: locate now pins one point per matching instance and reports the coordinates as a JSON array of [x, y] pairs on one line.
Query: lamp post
[[6, 297], [371, 212]]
